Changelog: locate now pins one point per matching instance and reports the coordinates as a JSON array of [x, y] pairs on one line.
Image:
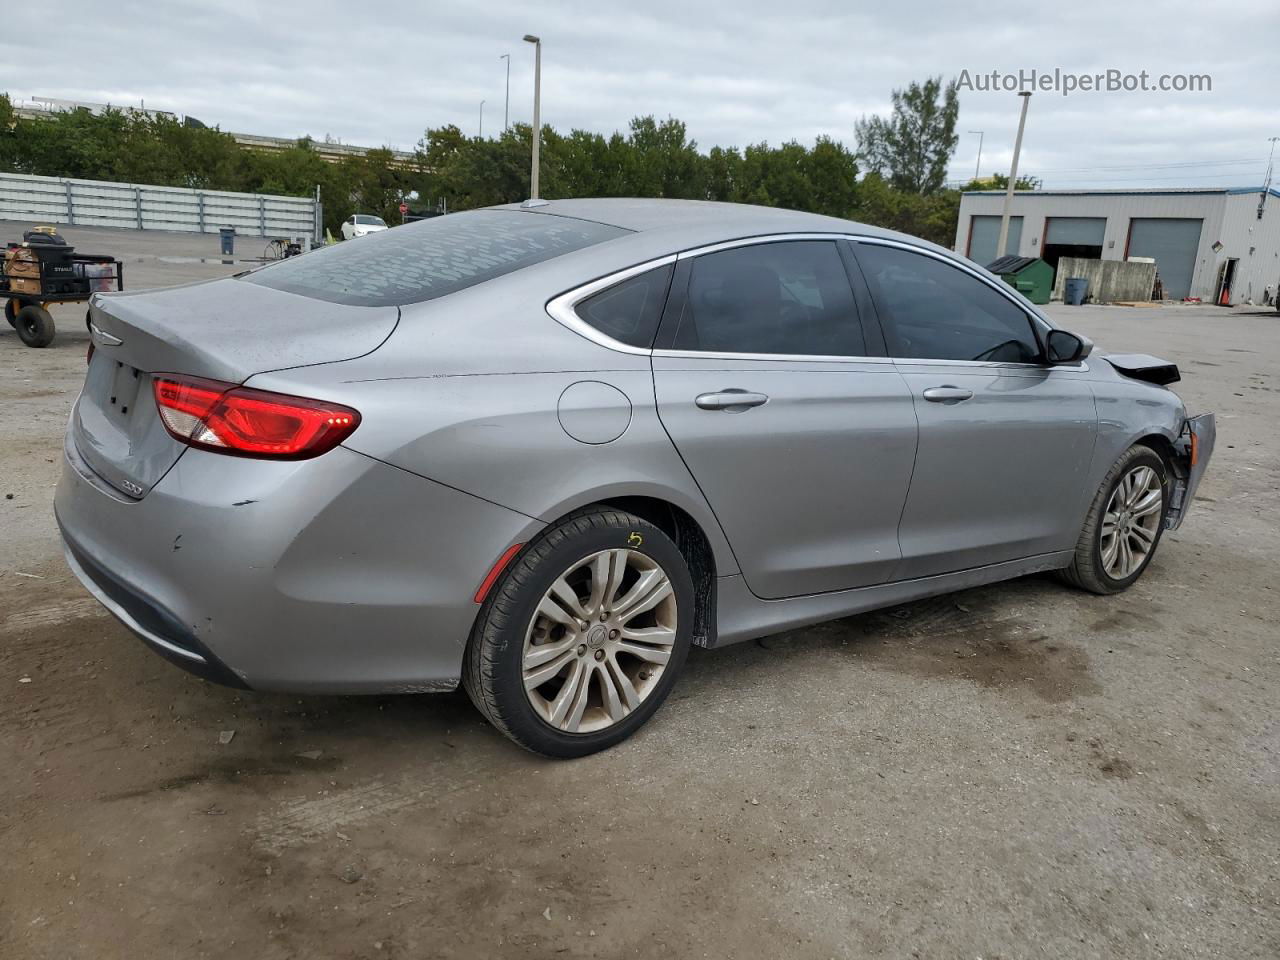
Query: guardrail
[[97, 203]]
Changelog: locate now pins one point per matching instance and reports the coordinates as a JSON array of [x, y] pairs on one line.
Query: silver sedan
[[542, 449]]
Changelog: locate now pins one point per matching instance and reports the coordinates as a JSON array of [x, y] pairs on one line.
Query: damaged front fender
[[1141, 366]]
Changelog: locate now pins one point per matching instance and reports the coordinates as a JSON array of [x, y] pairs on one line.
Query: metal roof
[[1140, 192]]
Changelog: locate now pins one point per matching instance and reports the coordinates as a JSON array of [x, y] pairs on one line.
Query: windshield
[[430, 258], [370, 221]]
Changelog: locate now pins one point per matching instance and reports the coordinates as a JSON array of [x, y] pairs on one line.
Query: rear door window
[[931, 310], [431, 258], [789, 298]]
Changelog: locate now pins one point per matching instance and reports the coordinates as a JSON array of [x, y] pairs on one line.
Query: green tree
[[663, 161], [998, 181], [931, 217], [8, 137], [912, 147], [832, 172], [471, 172], [723, 174], [650, 159]]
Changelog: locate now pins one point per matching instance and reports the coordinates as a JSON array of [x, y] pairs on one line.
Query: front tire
[[1124, 524], [11, 307], [581, 639]]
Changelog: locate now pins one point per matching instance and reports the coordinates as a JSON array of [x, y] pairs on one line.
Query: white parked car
[[359, 224]]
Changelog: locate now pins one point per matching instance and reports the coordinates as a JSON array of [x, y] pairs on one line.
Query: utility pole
[[1013, 175], [977, 167], [480, 134], [1266, 184], [537, 118], [506, 104]]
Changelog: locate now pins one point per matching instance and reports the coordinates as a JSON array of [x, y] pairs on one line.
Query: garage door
[[984, 232], [1076, 231], [1172, 244]]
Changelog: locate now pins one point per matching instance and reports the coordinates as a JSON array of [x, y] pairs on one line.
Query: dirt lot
[[1015, 771]]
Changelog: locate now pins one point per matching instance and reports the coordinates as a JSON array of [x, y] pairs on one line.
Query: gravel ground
[[1014, 771]]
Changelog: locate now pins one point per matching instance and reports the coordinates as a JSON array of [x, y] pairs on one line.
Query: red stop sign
[[404, 208]]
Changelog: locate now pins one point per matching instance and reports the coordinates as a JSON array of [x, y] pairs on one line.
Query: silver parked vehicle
[[542, 449]]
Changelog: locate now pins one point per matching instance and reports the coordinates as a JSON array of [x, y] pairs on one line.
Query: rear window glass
[[431, 258]]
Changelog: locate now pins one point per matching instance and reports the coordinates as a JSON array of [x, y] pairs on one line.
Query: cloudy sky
[[736, 72]]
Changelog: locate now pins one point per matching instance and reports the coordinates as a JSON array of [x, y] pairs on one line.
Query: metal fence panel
[[94, 203]]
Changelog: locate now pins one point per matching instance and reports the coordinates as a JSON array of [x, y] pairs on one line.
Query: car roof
[[705, 218]]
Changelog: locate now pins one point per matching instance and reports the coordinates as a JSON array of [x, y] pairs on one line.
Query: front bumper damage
[[1192, 452]]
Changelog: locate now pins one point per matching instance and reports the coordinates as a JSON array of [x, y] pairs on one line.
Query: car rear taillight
[[227, 418]]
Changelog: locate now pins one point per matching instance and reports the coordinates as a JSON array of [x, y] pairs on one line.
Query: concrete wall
[[1118, 208], [1109, 280], [95, 203]]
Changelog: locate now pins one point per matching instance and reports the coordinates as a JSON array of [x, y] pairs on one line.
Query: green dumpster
[[1030, 276]]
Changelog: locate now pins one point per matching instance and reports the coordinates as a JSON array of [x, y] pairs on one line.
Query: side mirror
[[1062, 346]]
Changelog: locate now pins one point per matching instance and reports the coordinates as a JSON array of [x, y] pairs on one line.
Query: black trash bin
[[1075, 290], [228, 237]]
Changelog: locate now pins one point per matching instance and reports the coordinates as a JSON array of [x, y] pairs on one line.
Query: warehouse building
[[1218, 245]]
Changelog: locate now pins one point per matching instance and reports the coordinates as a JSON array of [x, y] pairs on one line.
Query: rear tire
[[1119, 537], [11, 312], [581, 639], [35, 326]]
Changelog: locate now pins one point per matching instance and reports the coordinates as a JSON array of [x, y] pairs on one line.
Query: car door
[[1005, 439], [800, 440]]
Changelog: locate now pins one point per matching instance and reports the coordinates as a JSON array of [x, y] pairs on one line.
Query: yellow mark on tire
[[635, 539]]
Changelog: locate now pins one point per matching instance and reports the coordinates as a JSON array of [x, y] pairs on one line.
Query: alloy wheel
[[1131, 522], [599, 641]]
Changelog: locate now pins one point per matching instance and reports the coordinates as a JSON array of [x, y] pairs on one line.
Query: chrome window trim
[[562, 308], [754, 241], [1079, 365], [769, 357]]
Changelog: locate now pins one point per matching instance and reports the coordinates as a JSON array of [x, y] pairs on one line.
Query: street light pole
[[480, 133], [506, 104], [537, 104], [1013, 175], [977, 167]]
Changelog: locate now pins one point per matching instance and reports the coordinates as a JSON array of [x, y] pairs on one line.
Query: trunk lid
[[225, 330]]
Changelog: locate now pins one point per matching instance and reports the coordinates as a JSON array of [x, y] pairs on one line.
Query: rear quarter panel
[[500, 437]]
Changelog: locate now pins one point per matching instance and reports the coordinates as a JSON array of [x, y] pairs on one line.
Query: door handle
[[731, 400], [947, 394]]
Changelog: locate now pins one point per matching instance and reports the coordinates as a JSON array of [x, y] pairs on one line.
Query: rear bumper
[[151, 623], [340, 574], [1194, 448]]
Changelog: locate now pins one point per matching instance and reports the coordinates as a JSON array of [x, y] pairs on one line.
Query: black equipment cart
[[39, 272]]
